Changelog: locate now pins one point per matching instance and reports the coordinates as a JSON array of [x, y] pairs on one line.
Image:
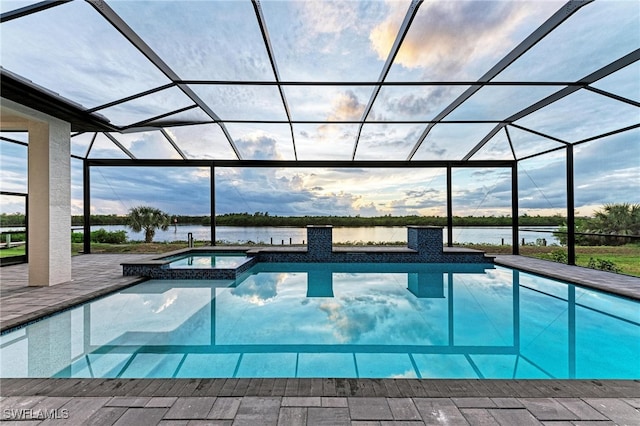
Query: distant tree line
[[265, 219], [112, 219], [12, 219]]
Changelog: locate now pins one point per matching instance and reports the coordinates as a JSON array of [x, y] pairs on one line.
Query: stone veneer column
[[319, 242], [49, 202], [427, 240]]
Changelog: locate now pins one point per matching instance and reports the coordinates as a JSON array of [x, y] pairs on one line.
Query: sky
[[72, 51]]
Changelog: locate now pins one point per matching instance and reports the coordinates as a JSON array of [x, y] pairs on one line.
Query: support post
[[49, 199], [86, 206], [571, 220], [26, 228], [212, 186], [515, 231], [449, 208]]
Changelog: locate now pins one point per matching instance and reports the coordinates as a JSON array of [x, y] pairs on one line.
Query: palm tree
[[617, 219], [149, 219]]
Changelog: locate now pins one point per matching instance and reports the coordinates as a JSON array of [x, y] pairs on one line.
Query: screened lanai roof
[[326, 80]]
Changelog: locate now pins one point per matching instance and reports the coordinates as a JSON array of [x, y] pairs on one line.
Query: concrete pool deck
[[298, 401]]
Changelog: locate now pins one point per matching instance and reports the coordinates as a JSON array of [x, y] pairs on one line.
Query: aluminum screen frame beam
[[119, 145], [28, 10], [267, 43], [535, 132], [127, 32], [604, 135], [580, 142], [614, 66], [132, 97], [142, 123], [508, 135], [299, 164], [173, 143], [86, 205], [541, 32], [612, 96], [369, 83], [93, 139], [402, 33]]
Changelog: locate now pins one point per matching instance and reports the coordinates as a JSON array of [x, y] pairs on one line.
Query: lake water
[[375, 234]]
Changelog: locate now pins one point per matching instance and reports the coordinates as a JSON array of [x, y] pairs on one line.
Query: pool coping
[[609, 282], [29, 318], [325, 387]]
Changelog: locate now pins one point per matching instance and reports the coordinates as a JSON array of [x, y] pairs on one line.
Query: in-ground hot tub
[[195, 264], [207, 260]]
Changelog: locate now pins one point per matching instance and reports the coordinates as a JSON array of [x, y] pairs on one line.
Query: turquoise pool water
[[208, 261], [339, 320]]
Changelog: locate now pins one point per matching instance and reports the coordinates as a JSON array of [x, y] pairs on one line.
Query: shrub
[[102, 236], [559, 256], [603, 265], [15, 236]]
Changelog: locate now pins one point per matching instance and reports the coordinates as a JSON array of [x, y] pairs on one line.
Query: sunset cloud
[[446, 36], [346, 106]]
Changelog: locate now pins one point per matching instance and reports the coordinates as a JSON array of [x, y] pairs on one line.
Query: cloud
[[328, 17], [581, 115], [599, 179], [13, 168], [420, 193], [174, 190], [57, 49], [200, 37], [351, 321], [426, 104], [206, 141], [148, 145], [259, 289], [258, 146], [446, 36], [345, 107]]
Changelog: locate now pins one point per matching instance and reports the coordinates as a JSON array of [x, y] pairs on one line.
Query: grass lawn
[[142, 248], [13, 251], [626, 258]]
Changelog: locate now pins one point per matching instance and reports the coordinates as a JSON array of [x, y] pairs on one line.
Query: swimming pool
[[339, 320]]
